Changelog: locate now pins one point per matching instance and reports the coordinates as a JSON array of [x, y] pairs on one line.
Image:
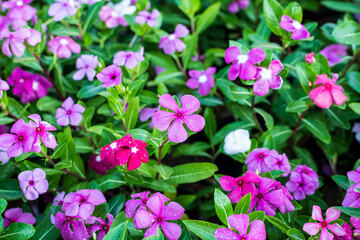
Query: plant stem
[[353, 59], [9, 113], [257, 123], [298, 124], [133, 40], [178, 63], [87, 132]]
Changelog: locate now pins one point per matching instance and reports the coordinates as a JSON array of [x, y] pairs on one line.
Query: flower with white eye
[[237, 142]]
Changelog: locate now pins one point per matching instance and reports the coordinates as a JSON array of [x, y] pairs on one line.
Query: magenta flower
[[82, 203], [98, 165], [240, 222], [86, 64], [33, 183], [355, 222], [243, 64], [146, 17], [59, 199], [159, 215], [16, 215], [172, 43], [70, 111], [139, 202], [354, 175], [255, 160], [348, 233], [108, 155], [202, 80], [352, 197], [110, 76], [278, 162], [177, 133], [14, 41], [334, 53], [235, 6], [4, 86], [99, 225], [328, 92], [19, 12], [240, 186], [71, 227], [288, 206], [63, 8], [146, 114], [332, 214], [41, 131], [128, 59], [20, 141], [63, 46], [268, 78], [297, 29], [113, 15], [303, 181], [309, 58]]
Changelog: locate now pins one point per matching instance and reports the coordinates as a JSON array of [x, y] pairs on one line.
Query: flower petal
[[225, 234], [189, 104], [240, 222], [177, 132], [171, 230], [173, 211], [167, 101], [312, 228]]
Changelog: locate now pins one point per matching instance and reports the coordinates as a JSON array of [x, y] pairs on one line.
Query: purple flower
[[33, 183], [177, 133], [172, 43], [334, 53], [70, 111], [41, 131], [268, 78], [348, 233], [202, 80], [146, 114], [332, 214], [356, 130], [14, 41], [110, 76], [99, 225], [139, 202], [303, 181], [278, 162], [86, 64], [243, 64], [34, 38], [255, 160], [354, 175], [16, 215], [82, 203], [352, 197], [146, 17], [288, 206], [159, 215], [71, 228], [238, 4], [63, 46], [19, 142], [240, 222], [128, 59], [355, 222], [159, 70], [19, 12], [63, 8], [298, 30], [4, 86], [240, 186], [113, 15], [59, 199]]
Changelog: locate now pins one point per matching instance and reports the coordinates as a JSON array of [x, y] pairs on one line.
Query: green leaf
[[165, 171], [91, 15], [6, 120], [89, 91], [210, 125], [341, 180], [353, 80], [257, 215], [118, 232], [10, 189], [306, 75], [17, 231], [61, 30], [297, 106], [337, 117], [3, 205], [157, 185], [354, 212], [46, 230], [318, 128], [132, 113], [342, 6], [47, 104], [83, 145], [347, 32], [190, 7], [223, 206], [355, 106], [306, 157], [111, 180], [162, 60], [116, 204], [269, 120], [133, 177], [204, 230], [243, 206], [191, 172], [295, 234], [191, 43], [272, 13], [101, 210], [278, 223], [294, 11], [207, 17]]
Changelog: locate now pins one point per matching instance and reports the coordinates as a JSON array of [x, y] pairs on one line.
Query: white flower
[[237, 142]]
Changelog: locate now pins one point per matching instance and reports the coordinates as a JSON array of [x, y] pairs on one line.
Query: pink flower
[[243, 64], [4, 158], [159, 215], [59, 199], [19, 142], [328, 92], [33, 183], [113, 15], [139, 202], [99, 225], [63, 8], [268, 78], [172, 43], [298, 30], [19, 12], [146, 114], [34, 38], [86, 64], [352, 197], [16, 215], [108, 155], [63, 46], [240, 222], [146, 17], [334, 53], [4, 86], [177, 133], [14, 41], [303, 181], [82, 203], [355, 222], [309, 58], [128, 59], [202, 80], [354, 175], [240, 186], [41, 131], [288, 206], [97, 164], [159, 70], [238, 4], [255, 160], [72, 228], [70, 111], [278, 162], [110, 76], [332, 214], [348, 233]]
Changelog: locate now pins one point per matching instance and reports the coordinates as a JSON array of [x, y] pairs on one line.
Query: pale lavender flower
[[86, 64], [14, 41], [113, 15], [63, 46], [334, 53], [19, 12], [298, 30], [42, 134], [146, 114], [268, 78], [33, 183], [17, 215], [4, 86], [128, 59], [34, 38], [235, 6], [146, 17], [203, 80], [63, 8], [110, 76], [172, 43], [70, 111]]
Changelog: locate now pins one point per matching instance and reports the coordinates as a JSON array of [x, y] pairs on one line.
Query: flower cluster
[[303, 181]]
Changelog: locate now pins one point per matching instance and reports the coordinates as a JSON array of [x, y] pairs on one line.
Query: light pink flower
[[42, 134], [172, 43], [354, 175], [146, 114], [14, 41], [33, 183], [70, 111], [278, 162], [4, 86], [86, 64], [255, 160], [235, 6], [63, 46], [16, 215], [128, 59], [146, 17], [203, 80], [139, 201], [59, 199], [334, 53], [309, 58], [113, 15], [268, 78], [34, 38], [352, 197], [63, 8], [110, 76], [19, 12], [298, 30]]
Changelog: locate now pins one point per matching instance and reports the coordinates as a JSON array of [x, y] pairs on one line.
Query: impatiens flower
[[240, 222], [297, 29], [243, 64], [71, 227], [172, 43], [268, 78], [309, 58], [159, 216], [34, 38], [20, 141], [98, 165], [237, 142], [86, 64], [139, 201], [110, 76], [147, 113], [332, 214], [146, 17], [63, 8], [240, 186], [19, 12], [99, 225], [14, 41], [82, 203], [59, 199], [42, 134], [70, 111], [303, 181], [255, 160], [354, 175], [128, 59], [63, 46], [356, 130], [334, 53], [16, 215], [238, 4], [202, 80], [4, 86], [113, 15], [288, 206], [328, 92], [33, 183], [278, 162], [352, 197], [177, 133]]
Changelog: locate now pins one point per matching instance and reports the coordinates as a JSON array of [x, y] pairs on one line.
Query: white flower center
[[242, 58], [266, 74], [172, 37], [134, 149], [21, 80], [98, 159], [19, 3], [202, 79], [113, 145], [35, 86], [297, 25], [72, 3], [114, 14], [64, 41]]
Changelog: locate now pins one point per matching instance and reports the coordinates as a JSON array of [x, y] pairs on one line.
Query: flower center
[[297, 25], [114, 14], [83, 200], [64, 41], [60, 203], [38, 129], [202, 79], [172, 37], [260, 195], [242, 58], [20, 138], [242, 238], [68, 112], [98, 159], [159, 219], [324, 224], [266, 74], [35, 86], [19, 3], [21, 80], [68, 218], [327, 86], [179, 115], [261, 155], [134, 149], [31, 182], [279, 163], [113, 145], [128, 55], [240, 182], [301, 184], [86, 66], [277, 187], [144, 201], [113, 77], [305, 171], [105, 228]]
